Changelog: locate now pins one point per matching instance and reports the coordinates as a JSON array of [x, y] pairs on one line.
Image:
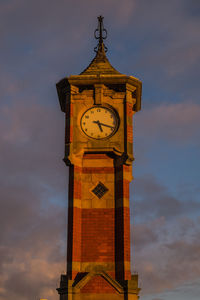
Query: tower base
[[98, 286]]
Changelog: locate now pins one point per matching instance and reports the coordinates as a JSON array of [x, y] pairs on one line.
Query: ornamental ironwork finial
[[100, 34]]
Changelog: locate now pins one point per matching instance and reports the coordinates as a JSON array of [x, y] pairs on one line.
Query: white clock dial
[[99, 122]]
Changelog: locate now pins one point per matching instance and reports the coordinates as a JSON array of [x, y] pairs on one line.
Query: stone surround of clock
[[99, 105]]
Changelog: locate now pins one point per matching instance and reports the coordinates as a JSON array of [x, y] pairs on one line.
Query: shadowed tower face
[[99, 105]]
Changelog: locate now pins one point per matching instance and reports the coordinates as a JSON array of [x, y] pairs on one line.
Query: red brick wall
[[98, 235]]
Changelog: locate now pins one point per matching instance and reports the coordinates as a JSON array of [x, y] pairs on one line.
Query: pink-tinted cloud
[[32, 254]]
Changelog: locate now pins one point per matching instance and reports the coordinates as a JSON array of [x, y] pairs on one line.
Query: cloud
[[33, 201], [33, 238], [161, 47], [32, 252], [177, 123], [152, 199], [158, 41], [161, 262], [165, 236], [32, 139], [143, 235]]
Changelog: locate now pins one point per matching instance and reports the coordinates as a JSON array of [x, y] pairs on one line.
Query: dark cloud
[[33, 250], [33, 238], [162, 257], [152, 199], [175, 123], [32, 143], [143, 235], [166, 53], [33, 202], [192, 8], [164, 235]]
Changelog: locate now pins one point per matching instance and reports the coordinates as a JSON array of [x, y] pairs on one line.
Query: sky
[[156, 41]]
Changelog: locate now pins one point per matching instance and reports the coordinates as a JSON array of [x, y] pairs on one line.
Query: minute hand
[[102, 124]]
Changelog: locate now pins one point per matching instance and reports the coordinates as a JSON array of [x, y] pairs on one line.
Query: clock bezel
[[113, 111]]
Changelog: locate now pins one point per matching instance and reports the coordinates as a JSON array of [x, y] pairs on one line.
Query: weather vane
[[100, 34]]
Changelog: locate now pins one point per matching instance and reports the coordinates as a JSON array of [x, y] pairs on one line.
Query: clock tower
[[99, 105]]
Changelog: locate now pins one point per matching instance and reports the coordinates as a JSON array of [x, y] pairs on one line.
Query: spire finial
[[100, 34]]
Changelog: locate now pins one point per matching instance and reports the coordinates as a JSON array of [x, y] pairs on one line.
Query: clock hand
[[99, 124], [106, 125]]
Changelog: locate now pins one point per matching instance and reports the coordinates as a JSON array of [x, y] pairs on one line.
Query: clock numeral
[[111, 116], [92, 111], [83, 123], [85, 129], [98, 109]]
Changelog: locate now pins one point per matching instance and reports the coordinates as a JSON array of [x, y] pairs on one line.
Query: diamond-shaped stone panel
[[100, 190]]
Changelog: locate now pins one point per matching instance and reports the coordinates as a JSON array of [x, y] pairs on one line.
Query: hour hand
[[99, 124]]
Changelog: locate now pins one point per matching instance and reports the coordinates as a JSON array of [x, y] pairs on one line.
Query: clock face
[[99, 122]]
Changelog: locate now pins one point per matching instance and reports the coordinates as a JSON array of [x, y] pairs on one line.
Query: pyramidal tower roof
[[100, 63], [99, 71]]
